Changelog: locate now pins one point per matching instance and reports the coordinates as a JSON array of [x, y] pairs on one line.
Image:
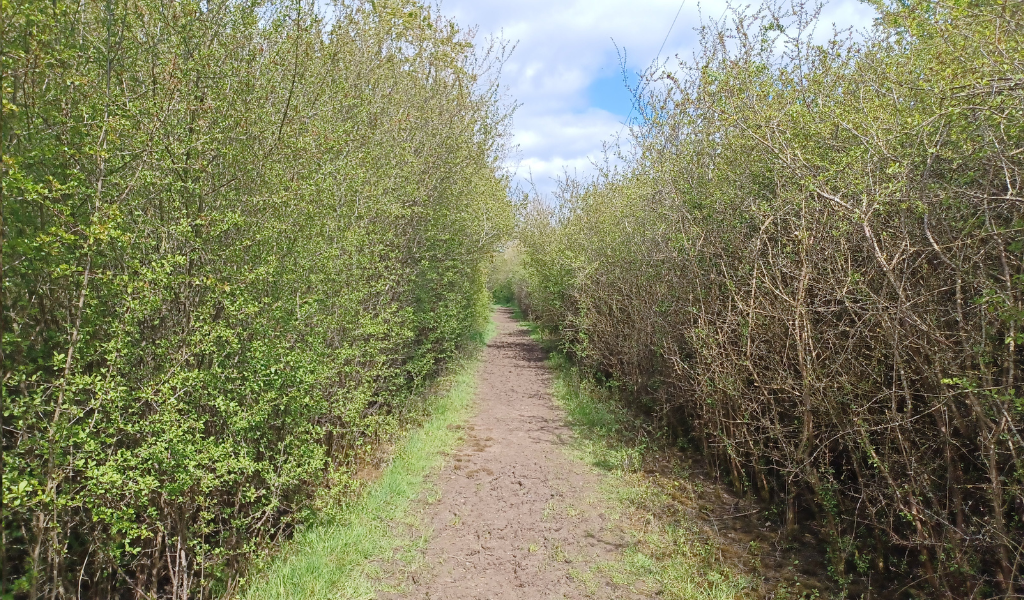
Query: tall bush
[[813, 267], [238, 238]]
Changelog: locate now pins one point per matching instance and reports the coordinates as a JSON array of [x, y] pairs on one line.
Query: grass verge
[[673, 555], [335, 556]]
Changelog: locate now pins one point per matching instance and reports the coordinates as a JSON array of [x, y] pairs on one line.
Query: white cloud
[[552, 144], [564, 46], [572, 133]]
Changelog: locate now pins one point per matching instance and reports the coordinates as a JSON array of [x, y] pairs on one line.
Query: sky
[[565, 71]]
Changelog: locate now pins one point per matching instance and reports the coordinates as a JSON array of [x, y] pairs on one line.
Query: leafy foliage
[[238, 237], [812, 268]]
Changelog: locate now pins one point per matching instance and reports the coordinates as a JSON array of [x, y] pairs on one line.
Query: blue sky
[[610, 92], [565, 70]]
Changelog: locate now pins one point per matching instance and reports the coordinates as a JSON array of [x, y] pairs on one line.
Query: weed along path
[[494, 497], [514, 516]]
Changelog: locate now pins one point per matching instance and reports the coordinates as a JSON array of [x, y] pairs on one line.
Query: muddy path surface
[[515, 517]]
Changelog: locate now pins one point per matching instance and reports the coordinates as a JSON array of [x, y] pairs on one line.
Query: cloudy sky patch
[[565, 70]]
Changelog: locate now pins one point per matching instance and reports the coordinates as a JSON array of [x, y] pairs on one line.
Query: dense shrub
[[813, 267], [505, 274], [237, 238]]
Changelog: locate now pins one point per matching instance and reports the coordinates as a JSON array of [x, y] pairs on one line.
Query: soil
[[516, 515]]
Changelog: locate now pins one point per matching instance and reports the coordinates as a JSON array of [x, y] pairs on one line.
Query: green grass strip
[[670, 558], [338, 558]]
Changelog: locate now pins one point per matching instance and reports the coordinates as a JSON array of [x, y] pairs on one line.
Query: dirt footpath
[[516, 517]]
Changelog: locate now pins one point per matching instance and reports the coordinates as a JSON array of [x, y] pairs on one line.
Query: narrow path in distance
[[516, 517]]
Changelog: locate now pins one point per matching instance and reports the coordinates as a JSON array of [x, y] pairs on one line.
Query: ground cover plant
[[341, 553], [239, 238], [812, 268], [671, 556]]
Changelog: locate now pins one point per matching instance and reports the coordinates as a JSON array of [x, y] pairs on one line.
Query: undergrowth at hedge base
[[671, 557], [338, 555]]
